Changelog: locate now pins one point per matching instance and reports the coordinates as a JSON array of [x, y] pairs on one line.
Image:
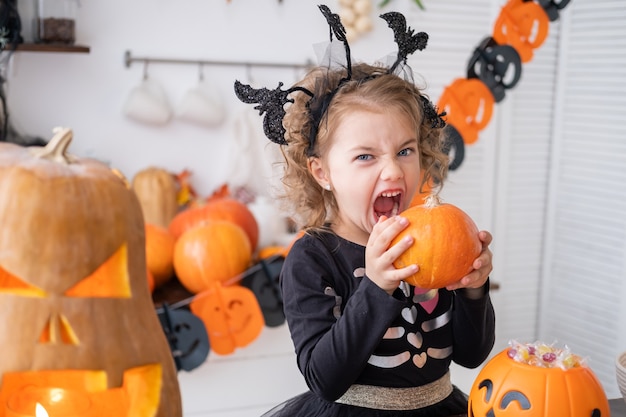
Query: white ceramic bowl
[[620, 372]]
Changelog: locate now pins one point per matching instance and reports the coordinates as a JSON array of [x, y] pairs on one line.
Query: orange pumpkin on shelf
[[75, 308], [214, 252], [226, 208], [507, 388], [159, 253], [445, 243]]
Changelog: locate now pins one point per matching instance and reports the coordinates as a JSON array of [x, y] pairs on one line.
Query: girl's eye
[[405, 152], [364, 157]]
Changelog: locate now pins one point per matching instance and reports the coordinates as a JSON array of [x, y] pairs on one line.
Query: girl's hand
[[379, 256], [482, 266]]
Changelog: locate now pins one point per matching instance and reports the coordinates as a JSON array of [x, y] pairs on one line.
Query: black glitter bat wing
[[334, 22], [270, 102], [336, 27], [408, 41]]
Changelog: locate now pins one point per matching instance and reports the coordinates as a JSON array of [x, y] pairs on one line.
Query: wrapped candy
[[544, 355]]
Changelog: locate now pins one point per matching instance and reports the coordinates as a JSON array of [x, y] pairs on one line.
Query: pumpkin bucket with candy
[[79, 333], [537, 380]]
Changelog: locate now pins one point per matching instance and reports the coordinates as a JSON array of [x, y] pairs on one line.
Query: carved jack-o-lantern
[[77, 316], [507, 388]]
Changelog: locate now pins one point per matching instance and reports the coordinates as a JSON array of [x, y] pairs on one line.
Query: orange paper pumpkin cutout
[[468, 104], [507, 388], [232, 316], [522, 24]]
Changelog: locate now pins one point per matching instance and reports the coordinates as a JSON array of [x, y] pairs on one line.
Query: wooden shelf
[[44, 47]]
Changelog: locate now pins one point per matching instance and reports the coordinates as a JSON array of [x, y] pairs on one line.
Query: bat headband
[[271, 102]]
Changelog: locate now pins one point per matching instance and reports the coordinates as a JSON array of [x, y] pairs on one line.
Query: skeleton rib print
[[428, 300]]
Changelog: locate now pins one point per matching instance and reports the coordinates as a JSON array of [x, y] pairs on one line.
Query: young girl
[[355, 140]]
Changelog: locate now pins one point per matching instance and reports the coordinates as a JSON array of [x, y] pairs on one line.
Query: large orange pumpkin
[[75, 308], [445, 243], [225, 208], [214, 252], [507, 388], [159, 253]]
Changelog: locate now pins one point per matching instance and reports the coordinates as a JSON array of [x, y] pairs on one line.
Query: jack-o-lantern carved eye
[[109, 280], [515, 396], [9, 283], [488, 386], [507, 399]]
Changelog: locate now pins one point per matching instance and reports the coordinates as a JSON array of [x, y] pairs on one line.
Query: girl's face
[[373, 167]]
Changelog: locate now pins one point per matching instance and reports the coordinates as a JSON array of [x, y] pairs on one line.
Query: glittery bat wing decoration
[[336, 27], [431, 115], [334, 22], [271, 102], [408, 41]]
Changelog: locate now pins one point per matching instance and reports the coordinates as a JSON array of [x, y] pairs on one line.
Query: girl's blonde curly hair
[[371, 87]]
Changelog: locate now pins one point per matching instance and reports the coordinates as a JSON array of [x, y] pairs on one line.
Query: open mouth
[[387, 204]]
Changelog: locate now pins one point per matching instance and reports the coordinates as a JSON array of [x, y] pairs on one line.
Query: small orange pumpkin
[[213, 252], [445, 243], [159, 253], [225, 208], [507, 388]]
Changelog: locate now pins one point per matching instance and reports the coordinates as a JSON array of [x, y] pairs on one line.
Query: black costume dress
[[346, 330]]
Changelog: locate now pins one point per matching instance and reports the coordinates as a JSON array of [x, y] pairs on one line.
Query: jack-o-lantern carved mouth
[[139, 395]]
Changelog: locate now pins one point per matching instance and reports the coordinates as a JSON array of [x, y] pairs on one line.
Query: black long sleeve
[[347, 330]]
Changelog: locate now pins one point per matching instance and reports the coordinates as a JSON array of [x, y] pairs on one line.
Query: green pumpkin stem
[[56, 148]]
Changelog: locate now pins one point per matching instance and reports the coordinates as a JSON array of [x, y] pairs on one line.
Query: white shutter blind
[[584, 286], [455, 29], [524, 146]]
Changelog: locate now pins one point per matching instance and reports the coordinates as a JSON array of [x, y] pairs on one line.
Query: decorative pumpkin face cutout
[[74, 302], [186, 335], [468, 104], [507, 388], [232, 316], [522, 24]]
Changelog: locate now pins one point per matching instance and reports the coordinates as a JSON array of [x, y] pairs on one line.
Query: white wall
[[87, 91]]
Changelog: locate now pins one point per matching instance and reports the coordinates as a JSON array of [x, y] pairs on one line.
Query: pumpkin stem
[[432, 201], [56, 149]]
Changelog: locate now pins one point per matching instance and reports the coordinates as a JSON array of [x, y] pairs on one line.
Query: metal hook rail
[[129, 59]]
